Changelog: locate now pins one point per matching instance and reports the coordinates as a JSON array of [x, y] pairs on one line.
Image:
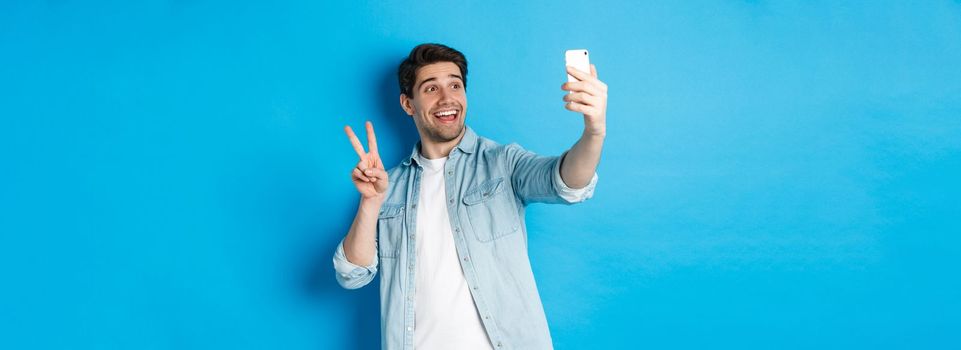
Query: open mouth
[[447, 116]]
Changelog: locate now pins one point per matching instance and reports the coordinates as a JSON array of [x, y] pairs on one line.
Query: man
[[446, 227]]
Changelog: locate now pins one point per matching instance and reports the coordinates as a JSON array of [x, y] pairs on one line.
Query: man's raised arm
[[588, 96], [356, 257]]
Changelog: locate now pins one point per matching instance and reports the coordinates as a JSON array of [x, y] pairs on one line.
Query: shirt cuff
[[572, 195], [348, 270]]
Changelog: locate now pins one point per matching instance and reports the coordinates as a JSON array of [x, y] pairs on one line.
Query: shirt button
[[487, 317], [475, 287], [457, 229], [410, 329], [450, 173], [413, 206], [498, 344], [451, 201], [412, 236], [465, 258]]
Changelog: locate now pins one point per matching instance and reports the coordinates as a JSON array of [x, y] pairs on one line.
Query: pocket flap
[[390, 210], [484, 191]]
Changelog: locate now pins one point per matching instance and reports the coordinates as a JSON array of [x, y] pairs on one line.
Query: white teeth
[[445, 113]]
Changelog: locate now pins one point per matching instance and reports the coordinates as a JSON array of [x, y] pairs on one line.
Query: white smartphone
[[578, 59]]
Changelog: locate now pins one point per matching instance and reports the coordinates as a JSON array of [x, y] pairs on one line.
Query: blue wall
[[777, 174]]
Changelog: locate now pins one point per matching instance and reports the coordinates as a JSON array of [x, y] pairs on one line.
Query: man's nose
[[446, 94]]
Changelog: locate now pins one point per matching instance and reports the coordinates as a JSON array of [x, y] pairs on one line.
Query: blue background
[[777, 174]]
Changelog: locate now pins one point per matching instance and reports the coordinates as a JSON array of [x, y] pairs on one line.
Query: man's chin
[[448, 134]]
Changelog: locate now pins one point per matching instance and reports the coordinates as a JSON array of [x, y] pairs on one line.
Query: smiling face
[[438, 104]]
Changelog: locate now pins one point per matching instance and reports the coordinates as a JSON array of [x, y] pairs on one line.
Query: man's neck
[[436, 150]]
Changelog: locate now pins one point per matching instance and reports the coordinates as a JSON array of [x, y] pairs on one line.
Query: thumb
[[377, 173], [380, 178]]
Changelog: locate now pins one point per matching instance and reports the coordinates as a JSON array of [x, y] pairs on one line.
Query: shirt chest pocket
[[491, 210], [390, 230]]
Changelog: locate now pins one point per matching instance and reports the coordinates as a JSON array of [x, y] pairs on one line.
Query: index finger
[[582, 75], [355, 142], [577, 73]]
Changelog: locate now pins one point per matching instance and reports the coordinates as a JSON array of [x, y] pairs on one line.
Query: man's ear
[[406, 104]]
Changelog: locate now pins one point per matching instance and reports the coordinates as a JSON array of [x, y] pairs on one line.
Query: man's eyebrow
[[425, 80], [432, 78]]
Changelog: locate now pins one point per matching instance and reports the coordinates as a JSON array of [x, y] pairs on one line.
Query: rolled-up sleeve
[[350, 275], [572, 195], [538, 178]]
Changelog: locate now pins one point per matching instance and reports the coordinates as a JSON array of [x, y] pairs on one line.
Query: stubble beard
[[441, 134]]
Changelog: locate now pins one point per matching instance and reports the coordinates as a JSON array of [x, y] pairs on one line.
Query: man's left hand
[[588, 96]]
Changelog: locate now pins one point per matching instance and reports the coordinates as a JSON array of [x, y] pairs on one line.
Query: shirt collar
[[467, 144]]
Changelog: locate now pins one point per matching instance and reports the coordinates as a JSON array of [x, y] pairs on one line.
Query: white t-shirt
[[445, 316]]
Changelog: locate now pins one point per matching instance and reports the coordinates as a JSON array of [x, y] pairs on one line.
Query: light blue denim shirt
[[488, 185]]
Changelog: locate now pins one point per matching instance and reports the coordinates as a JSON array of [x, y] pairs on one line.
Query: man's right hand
[[369, 176]]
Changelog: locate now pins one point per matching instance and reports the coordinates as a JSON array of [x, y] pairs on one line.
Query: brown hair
[[423, 55]]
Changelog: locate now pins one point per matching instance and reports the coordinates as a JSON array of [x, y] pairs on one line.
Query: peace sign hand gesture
[[369, 176]]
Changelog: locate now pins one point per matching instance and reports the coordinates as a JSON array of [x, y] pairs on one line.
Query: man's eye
[[455, 86], [431, 89]]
